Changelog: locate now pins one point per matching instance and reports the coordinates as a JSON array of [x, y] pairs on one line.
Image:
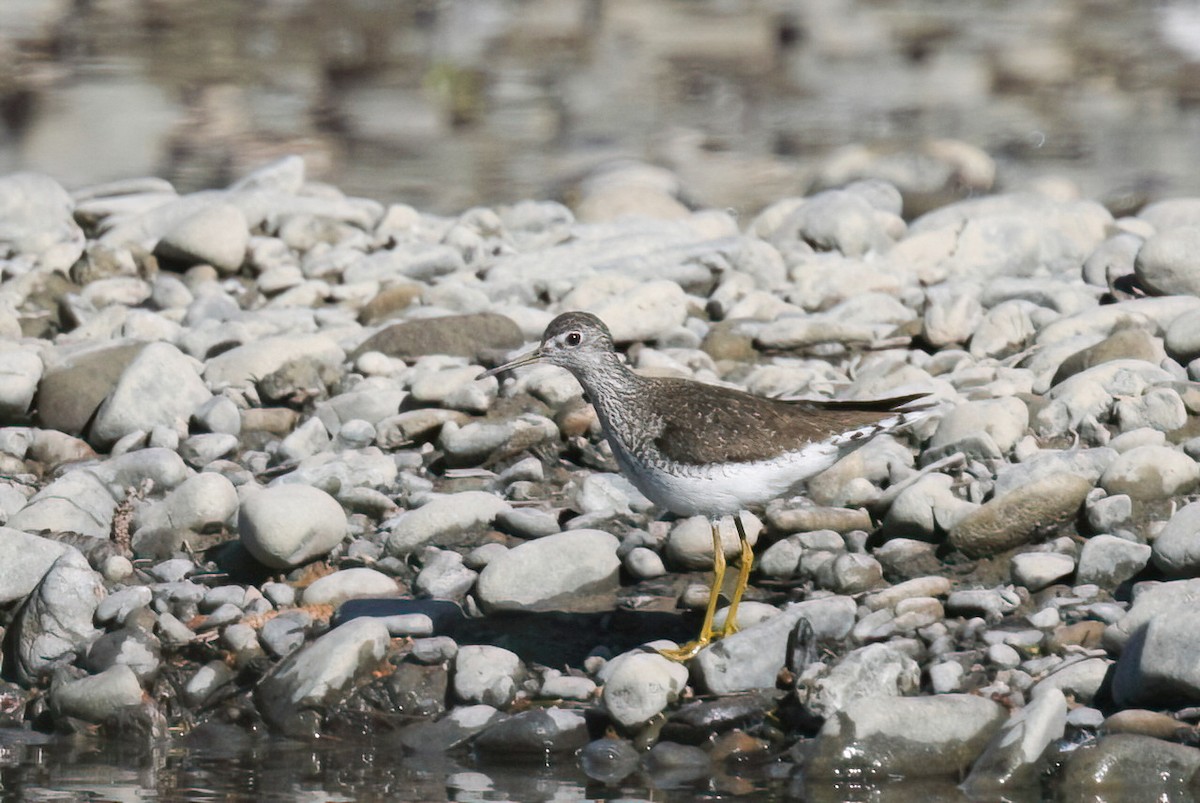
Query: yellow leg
[[742, 580], [689, 650]]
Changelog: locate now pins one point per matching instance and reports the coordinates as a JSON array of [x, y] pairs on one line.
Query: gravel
[[252, 406]]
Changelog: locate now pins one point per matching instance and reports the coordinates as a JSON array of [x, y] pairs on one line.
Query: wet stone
[[909, 736], [640, 685], [292, 698], [609, 760], [536, 732], [417, 690], [451, 731], [486, 674]]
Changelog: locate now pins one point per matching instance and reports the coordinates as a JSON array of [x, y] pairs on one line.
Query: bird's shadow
[[550, 638]]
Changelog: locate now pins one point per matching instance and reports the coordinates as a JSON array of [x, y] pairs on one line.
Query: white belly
[[726, 489]]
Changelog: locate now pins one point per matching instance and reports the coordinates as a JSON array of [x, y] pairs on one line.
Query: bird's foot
[[686, 652], [729, 628]]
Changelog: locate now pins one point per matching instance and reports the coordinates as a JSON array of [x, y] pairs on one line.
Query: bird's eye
[[573, 338]]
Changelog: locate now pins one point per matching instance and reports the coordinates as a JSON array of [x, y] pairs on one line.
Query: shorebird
[[699, 449]]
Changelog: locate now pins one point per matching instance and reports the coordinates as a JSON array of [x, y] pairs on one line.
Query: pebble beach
[[251, 488]]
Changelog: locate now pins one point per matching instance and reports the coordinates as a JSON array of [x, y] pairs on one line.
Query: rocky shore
[[251, 488]]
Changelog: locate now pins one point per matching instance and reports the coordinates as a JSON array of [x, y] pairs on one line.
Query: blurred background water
[[445, 104]]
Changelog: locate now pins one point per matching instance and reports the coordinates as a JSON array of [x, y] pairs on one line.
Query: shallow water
[[331, 770]]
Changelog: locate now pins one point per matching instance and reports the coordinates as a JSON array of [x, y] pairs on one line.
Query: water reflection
[[332, 770]]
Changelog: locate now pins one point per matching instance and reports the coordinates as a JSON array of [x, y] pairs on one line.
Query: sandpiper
[[699, 449]]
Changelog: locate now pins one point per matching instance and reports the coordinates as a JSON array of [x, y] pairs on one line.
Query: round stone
[[290, 525]]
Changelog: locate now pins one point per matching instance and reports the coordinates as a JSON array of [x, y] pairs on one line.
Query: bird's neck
[[609, 384]]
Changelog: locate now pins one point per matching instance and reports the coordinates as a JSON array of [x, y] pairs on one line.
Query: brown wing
[[715, 424]]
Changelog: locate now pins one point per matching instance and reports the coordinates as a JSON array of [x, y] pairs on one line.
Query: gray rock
[[450, 732], [172, 571], [1182, 339], [851, 573], [537, 732], [203, 503], [781, 560], [456, 335], [306, 440], [1003, 656], [137, 649], [207, 682], [160, 386], [1013, 518], [1157, 664], [443, 516], [486, 674], [1167, 263], [690, 544], [1036, 570], [1086, 463], [953, 313], [927, 508], [875, 670], [286, 633], [1159, 409], [568, 687], [200, 450], [21, 369], [37, 220], [216, 235], [289, 525], [1134, 766], [1176, 550], [56, 622], [119, 604], [346, 470], [77, 501], [96, 698], [1105, 514], [1014, 757], [918, 587], [556, 572], [443, 575], [455, 387], [644, 564], [1006, 329], [946, 677], [293, 697], [1003, 420], [1080, 678], [434, 650], [24, 561], [173, 632], [1151, 472], [353, 583], [250, 362], [219, 414], [1108, 561], [911, 737], [992, 603], [644, 312], [752, 658], [165, 469], [609, 760], [841, 220], [610, 495], [640, 685]]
